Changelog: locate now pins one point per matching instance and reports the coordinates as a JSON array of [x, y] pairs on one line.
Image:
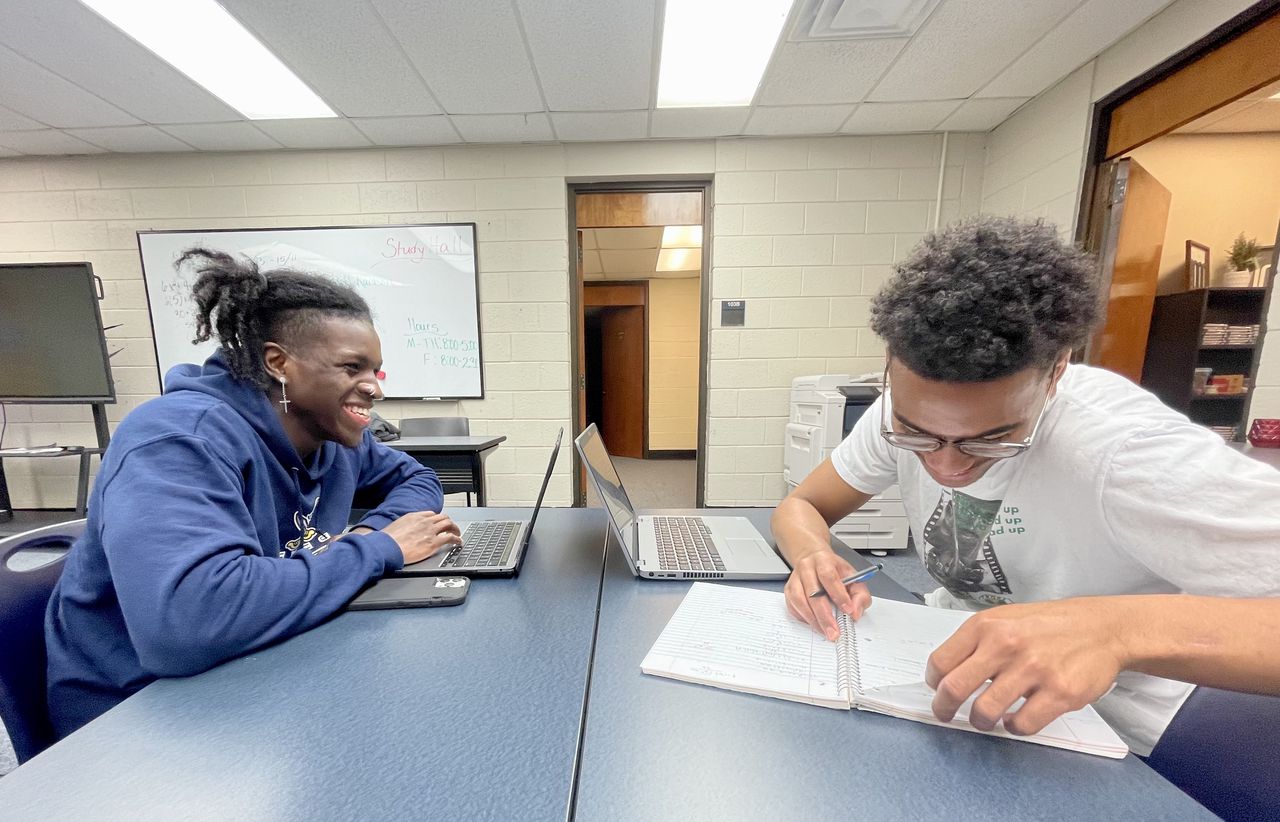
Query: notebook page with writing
[[891, 645], [744, 640]]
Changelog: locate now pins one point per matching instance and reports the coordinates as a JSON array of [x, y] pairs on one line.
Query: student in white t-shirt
[[1056, 490]]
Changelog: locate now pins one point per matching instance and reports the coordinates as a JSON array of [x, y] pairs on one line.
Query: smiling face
[[331, 380], [1000, 410]]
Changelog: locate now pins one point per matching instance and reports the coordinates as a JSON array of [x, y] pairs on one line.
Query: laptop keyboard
[[684, 544], [485, 545]]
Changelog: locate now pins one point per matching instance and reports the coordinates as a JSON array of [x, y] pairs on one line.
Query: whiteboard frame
[[475, 262]]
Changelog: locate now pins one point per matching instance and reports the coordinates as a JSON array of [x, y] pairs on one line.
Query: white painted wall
[[804, 229]]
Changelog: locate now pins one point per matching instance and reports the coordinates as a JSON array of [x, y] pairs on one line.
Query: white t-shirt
[[1118, 494]]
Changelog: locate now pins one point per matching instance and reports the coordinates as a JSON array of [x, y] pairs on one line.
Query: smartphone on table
[[412, 592]]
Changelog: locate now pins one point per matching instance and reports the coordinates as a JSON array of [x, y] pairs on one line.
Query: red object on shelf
[[1265, 433]]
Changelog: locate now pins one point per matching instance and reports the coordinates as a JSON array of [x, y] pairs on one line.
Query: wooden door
[[1137, 212], [622, 352], [580, 377]]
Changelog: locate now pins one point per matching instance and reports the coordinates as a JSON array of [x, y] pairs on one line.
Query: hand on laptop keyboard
[[422, 534]]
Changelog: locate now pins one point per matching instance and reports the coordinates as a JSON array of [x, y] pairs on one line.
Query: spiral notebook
[[742, 639]]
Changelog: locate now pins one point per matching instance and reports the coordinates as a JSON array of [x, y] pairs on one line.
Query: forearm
[[799, 529], [1214, 641]]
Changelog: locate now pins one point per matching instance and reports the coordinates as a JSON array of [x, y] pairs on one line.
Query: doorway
[[640, 351]]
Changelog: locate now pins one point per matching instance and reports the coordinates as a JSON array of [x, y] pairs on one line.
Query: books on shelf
[[742, 639], [1225, 334]]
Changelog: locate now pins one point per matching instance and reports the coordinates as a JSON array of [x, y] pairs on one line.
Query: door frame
[[702, 183], [643, 305]]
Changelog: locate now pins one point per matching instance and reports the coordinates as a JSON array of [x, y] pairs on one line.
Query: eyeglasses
[[983, 449]]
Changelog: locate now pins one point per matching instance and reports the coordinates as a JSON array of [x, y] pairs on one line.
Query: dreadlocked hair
[[245, 307]]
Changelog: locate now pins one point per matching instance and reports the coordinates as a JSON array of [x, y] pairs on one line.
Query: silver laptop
[[491, 547], [677, 547]]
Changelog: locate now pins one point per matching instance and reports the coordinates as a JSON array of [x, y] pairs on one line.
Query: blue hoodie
[[208, 536]]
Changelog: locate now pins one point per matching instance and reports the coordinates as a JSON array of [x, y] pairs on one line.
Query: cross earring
[[284, 396]]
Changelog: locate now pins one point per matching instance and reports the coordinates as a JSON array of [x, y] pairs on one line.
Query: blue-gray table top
[[447, 443], [658, 749], [466, 712]]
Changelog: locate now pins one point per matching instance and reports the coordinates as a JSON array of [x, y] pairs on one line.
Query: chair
[[455, 480], [1221, 748], [23, 597]]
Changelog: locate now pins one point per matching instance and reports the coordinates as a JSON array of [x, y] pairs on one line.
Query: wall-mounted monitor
[[52, 348]]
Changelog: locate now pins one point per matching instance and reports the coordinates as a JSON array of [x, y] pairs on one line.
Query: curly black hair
[[253, 307], [987, 297]]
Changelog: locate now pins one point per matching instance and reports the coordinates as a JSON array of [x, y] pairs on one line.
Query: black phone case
[[412, 592]]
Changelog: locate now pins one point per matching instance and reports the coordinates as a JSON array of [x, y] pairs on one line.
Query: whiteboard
[[419, 281]]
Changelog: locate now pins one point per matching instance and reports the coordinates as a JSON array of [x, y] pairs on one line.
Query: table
[[470, 712], [527, 702], [82, 482], [1271, 456], [658, 749], [454, 459]]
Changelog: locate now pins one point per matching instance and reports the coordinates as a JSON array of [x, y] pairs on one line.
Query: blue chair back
[[1223, 748], [23, 598]]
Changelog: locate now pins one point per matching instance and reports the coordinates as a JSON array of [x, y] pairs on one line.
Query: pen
[[862, 576]]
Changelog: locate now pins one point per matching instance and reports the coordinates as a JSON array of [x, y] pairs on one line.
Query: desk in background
[[658, 749], [470, 712], [452, 458]]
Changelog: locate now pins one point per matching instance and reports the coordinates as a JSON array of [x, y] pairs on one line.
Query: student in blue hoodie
[[217, 520]]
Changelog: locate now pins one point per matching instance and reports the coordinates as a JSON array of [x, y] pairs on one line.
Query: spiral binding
[[848, 672]]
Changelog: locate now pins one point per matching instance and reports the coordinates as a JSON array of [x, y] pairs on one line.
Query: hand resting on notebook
[[1060, 655]]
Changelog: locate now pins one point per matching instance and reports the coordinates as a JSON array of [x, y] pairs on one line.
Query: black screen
[[51, 343]]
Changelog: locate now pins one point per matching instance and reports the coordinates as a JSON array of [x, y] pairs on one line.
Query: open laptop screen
[[546, 480], [609, 484]]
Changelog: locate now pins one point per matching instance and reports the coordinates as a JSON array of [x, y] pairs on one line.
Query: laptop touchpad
[[746, 547]]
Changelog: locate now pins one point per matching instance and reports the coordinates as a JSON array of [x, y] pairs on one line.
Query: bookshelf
[[1176, 347]]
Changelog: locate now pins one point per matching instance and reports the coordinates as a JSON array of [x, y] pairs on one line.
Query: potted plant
[[1243, 264]]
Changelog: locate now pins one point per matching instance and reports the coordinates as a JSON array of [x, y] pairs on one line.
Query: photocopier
[[824, 410]]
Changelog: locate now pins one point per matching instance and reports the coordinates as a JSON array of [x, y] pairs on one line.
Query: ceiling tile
[[891, 118], [964, 44], [130, 139], [836, 71], [637, 261], [222, 136], [981, 114], [471, 54], [317, 133], [48, 141], [343, 51], [73, 42], [629, 238], [42, 95], [698, 122], [589, 238], [1072, 43], [13, 121], [408, 131], [601, 125], [797, 119], [503, 128], [591, 263], [577, 44]]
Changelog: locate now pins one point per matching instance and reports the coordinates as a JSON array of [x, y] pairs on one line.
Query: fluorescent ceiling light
[[679, 259], [201, 40], [682, 236], [714, 52]]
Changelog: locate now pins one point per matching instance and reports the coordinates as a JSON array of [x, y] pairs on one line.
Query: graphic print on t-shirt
[[958, 549]]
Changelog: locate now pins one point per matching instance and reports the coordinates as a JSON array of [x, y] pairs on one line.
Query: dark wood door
[[1137, 214], [622, 352]]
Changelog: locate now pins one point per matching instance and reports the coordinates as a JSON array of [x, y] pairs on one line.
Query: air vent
[[860, 19], [702, 575]]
